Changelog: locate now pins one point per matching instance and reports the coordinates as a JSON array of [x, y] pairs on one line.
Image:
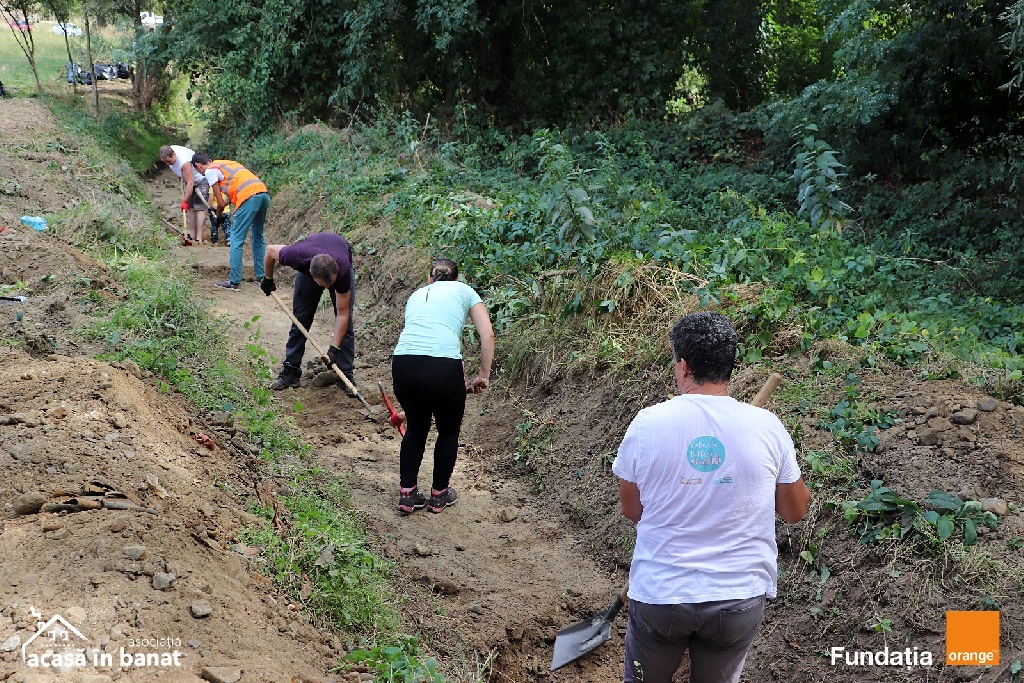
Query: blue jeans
[[252, 213], [305, 299], [718, 635]]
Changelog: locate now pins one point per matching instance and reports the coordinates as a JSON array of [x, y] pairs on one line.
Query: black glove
[[334, 355], [267, 285]]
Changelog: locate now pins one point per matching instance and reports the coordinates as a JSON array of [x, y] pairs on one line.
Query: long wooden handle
[[766, 391], [319, 349]]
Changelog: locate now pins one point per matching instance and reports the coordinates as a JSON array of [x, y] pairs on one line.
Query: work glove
[[334, 356], [184, 205], [267, 285]]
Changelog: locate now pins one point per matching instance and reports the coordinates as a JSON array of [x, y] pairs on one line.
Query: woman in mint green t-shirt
[[430, 381]]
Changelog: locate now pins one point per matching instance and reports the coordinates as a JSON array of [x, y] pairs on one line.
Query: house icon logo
[[56, 643]]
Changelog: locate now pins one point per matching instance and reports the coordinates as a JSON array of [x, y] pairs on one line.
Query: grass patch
[[325, 561], [51, 54], [136, 136]]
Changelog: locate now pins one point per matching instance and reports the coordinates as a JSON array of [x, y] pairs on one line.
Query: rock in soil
[[29, 503], [221, 674], [201, 609]]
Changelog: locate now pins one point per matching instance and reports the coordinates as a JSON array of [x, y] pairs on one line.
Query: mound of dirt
[[37, 173], [131, 537]]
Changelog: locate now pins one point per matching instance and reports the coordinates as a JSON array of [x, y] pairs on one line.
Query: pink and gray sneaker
[[410, 500]]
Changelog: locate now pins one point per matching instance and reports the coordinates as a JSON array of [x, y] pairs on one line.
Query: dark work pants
[[718, 635], [429, 387], [305, 299]]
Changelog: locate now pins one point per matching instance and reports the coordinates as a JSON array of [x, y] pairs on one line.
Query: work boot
[[351, 378], [285, 380], [410, 500], [439, 500]]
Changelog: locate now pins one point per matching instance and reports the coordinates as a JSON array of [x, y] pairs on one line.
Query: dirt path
[[505, 574]]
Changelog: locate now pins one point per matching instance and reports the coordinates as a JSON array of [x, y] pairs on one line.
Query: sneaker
[[410, 500], [285, 381], [439, 500], [228, 285]]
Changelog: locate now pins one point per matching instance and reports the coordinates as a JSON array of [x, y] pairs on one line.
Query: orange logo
[[972, 638]]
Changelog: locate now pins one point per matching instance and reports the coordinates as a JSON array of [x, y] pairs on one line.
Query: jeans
[[718, 635], [305, 299], [252, 213]]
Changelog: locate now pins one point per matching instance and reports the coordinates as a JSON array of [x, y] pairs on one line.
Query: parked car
[[19, 24], [151, 20], [70, 28], [123, 70]]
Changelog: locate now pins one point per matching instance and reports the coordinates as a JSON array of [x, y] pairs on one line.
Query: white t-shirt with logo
[[706, 467], [182, 156]]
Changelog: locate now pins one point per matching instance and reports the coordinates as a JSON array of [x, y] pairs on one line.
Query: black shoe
[[439, 500], [228, 285], [410, 500], [344, 387], [285, 380]]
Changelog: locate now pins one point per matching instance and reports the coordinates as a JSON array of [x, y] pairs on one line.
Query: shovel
[[327, 360], [572, 642]]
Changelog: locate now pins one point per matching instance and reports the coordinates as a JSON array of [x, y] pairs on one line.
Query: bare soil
[[526, 551]]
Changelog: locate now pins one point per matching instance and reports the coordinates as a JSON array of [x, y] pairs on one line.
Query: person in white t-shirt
[[195, 192], [703, 475]]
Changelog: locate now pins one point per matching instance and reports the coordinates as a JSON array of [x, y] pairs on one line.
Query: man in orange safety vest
[[250, 197]]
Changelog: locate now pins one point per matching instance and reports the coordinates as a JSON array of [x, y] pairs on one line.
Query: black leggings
[[429, 387]]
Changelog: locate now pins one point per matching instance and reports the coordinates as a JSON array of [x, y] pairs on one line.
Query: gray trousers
[[718, 635]]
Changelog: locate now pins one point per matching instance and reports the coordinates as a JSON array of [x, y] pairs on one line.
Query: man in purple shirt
[[321, 261]]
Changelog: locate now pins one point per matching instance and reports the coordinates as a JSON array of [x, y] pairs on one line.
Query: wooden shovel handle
[[766, 391], [319, 349]]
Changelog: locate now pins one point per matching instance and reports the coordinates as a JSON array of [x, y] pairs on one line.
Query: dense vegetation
[[859, 159], [568, 210], [856, 162]]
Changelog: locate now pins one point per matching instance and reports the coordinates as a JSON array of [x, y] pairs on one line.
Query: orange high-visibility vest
[[239, 182]]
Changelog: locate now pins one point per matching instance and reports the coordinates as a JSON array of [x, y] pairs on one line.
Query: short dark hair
[[707, 342], [322, 266], [443, 269], [201, 157]]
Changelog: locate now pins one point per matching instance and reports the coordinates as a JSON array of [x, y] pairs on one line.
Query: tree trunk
[[23, 38], [145, 85], [88, 53]]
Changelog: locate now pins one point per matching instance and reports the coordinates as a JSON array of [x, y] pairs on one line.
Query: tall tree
[[533, 60], [16, 14], [61, 11]]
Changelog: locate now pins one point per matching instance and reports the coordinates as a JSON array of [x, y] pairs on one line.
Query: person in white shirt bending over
[[195, 190], [703, 475]]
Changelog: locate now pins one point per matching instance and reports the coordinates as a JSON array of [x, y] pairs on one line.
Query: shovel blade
[[572, 642]]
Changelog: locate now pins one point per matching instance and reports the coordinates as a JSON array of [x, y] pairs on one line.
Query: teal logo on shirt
[[706, 454]]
